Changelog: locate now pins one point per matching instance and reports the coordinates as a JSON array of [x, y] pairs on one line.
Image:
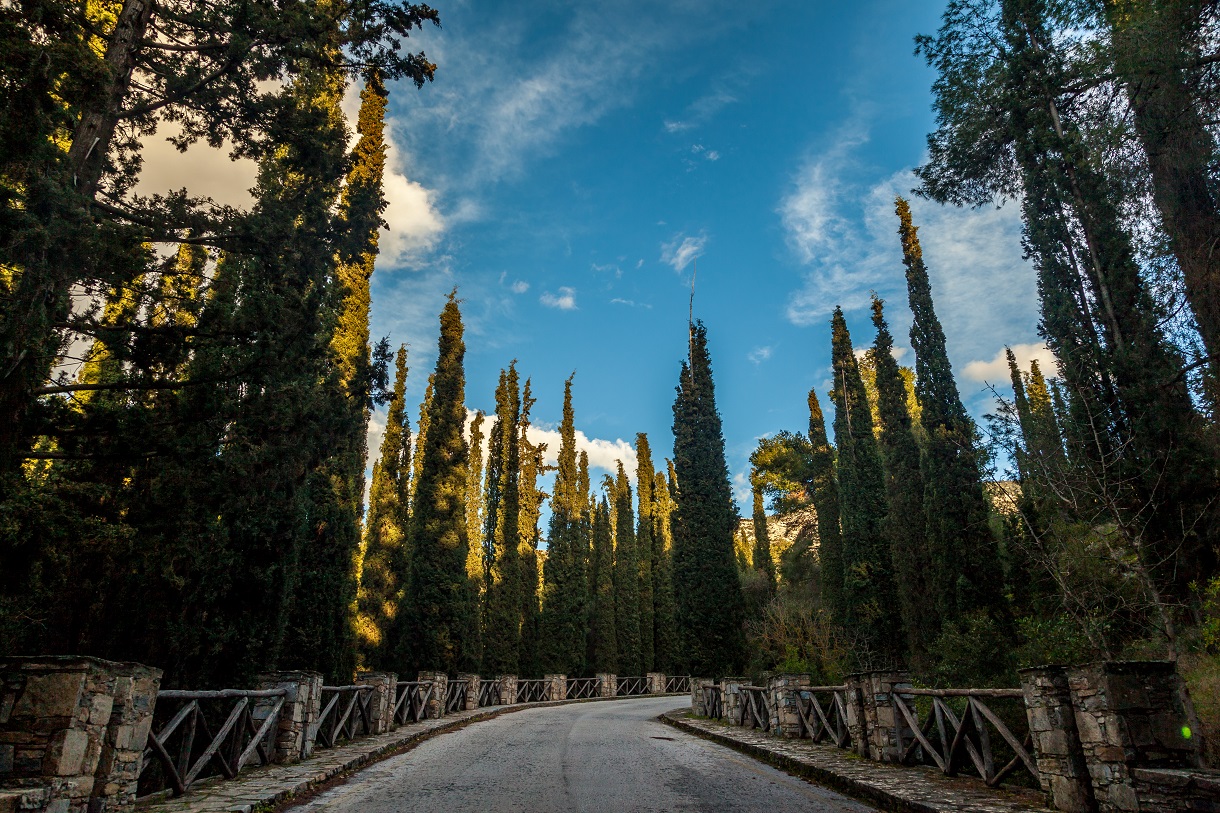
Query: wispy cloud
[[565, 300], [631, 303], [760, 354], [702, 110], [996, 370], [682, 250], [519, 286]]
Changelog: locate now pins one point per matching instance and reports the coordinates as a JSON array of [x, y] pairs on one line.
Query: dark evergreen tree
[[440, 614], [565, 569], [665, 633], [824, 484], [603, 638], [626, 580], [905, 526], [761, 557], [708, 605], [502, 608], [529, 535], [644, 544], [869, 595]]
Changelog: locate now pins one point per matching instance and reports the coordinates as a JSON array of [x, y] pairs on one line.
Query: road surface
[[609, 757]]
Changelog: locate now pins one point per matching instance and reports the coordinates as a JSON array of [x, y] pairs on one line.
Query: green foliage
[[502, 607], [824, 485], [646, 548], [709, 607], [664, 639], [626, 581], [603, 638]]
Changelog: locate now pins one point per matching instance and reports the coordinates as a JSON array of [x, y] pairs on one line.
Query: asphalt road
[[606, 757]]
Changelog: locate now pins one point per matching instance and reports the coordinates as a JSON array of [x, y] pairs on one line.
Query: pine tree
[[869, 600], [825, 488], [626, 580], [382, 568], [645, 546], [904, 524], [603, 638], [564, 572], [502, 607], [965, 560], [708, 604], [439, 596]]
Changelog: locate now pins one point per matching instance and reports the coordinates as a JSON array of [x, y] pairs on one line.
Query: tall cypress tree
[[474, 505], [825, 488], [502, 607], [965, 560], [869, 600], [645, 546], [904, 526], [564, 571], [441, 617], [381, 573], [664, 636], [603, 638], [528, 536], [709, 606], [626, 580], [762, 541]]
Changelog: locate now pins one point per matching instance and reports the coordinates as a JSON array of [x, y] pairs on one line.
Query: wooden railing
[[532, 690], [580, 688], [713, 702], [755, 712], [455, 696], [632, 686], [677, 683], [489, 693], [823, 711], [948, 737], [176, 757], [411, 701], [346, 714]]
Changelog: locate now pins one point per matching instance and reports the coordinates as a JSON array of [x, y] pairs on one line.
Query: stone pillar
[[299, 715], [882, 719], [556, 687], [472, 690], [732, 699], [608, 686], [508, 690], [381, 707], [698, 703], [857, 719], [1131, 715], [440, 685], [656, 683], [72, 730], [785, 704], [1062, 772]]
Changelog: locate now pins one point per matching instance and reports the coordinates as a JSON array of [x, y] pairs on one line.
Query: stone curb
[[333, 765], [890, 788]]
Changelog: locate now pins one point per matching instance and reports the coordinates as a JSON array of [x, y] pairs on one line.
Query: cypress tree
[[441, 617], [528, 536], [825, 488], [645, 546], [564, 571], [603, 638], [626, 580], [966, 571], [502, 608], [381, 572], [662, 575], [474, 506], [709, 608], [904, 525], [761, 557], [869, 600]]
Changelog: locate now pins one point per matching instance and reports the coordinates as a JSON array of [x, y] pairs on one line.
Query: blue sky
[[573, 161]]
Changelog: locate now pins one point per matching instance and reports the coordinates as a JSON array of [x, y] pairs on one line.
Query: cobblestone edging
[[271, 786], [890, 787]]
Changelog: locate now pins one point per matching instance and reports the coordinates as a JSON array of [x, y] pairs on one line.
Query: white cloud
[[630, 303], [519, 286], [565, 300], [996, 370], [712, 155], [201, 170], [608, 268], [603, 454], [759, 354], [682, 250], [701, 110]]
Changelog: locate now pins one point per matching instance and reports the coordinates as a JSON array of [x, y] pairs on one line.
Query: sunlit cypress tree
[[439, 596], [474, 505], [904, 525], [761, 557], [709, 606], [664, 633], [869, 599], [502, 605], [644, 545], [528, 536], [825, 488]]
